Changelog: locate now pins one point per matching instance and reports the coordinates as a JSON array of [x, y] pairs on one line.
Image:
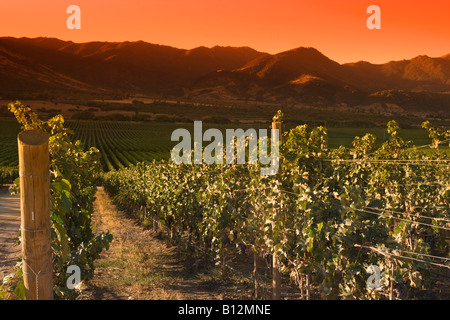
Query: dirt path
[[138, 265], [9, 228]]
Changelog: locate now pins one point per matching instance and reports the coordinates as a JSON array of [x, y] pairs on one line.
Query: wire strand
[[400, 257], [418, 216], [379, 214], [408, 220]]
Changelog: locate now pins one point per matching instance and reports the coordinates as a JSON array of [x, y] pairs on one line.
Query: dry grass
[[140, 266]]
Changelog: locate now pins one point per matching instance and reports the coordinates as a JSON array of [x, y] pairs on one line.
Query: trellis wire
[[412, 215], [403, 219], [400, 257]]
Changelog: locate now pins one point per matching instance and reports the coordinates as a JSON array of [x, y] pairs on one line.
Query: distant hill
[[31, 64], [298, 76]]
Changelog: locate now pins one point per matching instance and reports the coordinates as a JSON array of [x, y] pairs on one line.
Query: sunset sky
[[336, 28]]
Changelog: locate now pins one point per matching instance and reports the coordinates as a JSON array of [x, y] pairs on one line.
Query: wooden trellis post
[[35, 214], [276, 275]]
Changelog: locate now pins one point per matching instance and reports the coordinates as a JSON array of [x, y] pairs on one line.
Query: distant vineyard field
[[9, 161], [9, 128], [122, 144], [125, 143]]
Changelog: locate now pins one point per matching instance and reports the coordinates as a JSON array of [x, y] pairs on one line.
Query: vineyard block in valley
[[235, 147]]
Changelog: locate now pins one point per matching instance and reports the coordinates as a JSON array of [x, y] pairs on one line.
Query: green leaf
[[65, 200], [57, 217], [56, 187], [319, 227], [19, 290], [309, 248], [63, 240], [399, 228], [65, 185]]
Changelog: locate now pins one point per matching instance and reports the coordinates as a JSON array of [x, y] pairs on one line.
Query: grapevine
[[321, 214], [73, 174]]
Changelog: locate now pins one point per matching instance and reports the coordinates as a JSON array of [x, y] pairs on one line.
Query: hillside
[[302, 76]]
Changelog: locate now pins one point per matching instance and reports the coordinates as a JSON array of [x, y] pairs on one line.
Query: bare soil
[[9, 232]]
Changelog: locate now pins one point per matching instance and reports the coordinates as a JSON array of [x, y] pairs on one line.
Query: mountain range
[[301, 76]]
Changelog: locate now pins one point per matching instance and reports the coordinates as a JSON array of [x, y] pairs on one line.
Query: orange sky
[[336, 28]]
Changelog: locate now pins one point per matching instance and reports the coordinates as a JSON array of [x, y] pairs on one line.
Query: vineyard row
[[325, 218]]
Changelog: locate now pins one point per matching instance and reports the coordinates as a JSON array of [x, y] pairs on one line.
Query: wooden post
[[255, 274], [302, 295], [276, 275], [35, 214], [308, 280], [391, 281], [155, 222], [278, 125]]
